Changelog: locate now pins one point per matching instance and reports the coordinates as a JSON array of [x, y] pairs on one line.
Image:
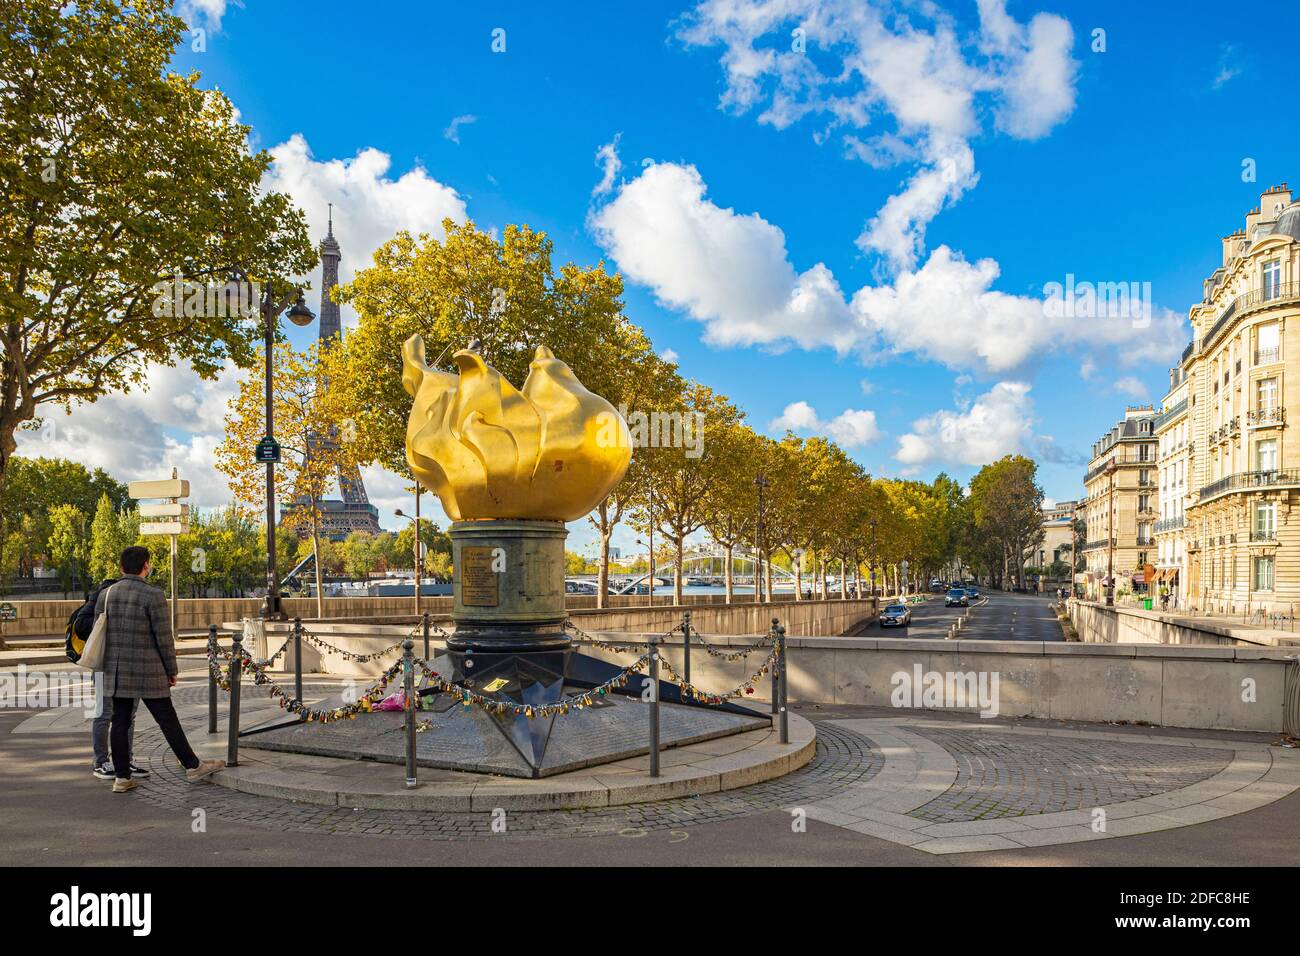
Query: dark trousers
[[99, 730], [163, 711]]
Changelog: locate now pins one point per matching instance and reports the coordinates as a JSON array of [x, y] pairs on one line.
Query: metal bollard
[[686, 646], [776, 679], [297, 657], [785, 696], [654, 706], [212, 679], [424, 623], [232, 723], [408, 666]]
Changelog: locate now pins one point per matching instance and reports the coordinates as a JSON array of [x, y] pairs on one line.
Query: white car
[[896, 615]]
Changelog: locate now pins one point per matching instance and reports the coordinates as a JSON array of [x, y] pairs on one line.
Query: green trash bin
[[1146, 604]]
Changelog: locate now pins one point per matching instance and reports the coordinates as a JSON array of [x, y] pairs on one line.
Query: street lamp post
[[1111, 468], [299, 315], [419, 549], [761, 482]]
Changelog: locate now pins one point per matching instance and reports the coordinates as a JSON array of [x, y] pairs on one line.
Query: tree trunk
[[606, 530], [679, 542], [821, 575], [844, 577], [728, 563], [320, 587], [767, 578], [798, 577]]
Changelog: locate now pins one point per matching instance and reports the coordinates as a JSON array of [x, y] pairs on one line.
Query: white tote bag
[[92, 654]]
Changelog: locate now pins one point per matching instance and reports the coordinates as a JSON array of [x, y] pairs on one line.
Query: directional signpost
[[174, 515]]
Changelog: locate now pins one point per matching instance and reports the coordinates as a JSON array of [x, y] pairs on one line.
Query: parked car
[[896, 615], [973, 593], [957, 597]]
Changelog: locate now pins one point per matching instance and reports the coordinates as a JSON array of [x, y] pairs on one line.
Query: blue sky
[[1122, 165]]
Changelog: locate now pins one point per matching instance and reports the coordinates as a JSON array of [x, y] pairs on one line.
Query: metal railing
[[1266, 416], [1096, 545], [1249, 479], [1169, 415], [1279, 294], [1264, 537], [1267, 356], [1170, 524], [1227, 430]]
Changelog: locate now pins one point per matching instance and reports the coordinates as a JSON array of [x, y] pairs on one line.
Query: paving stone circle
[[1011, 775], [843, 758]]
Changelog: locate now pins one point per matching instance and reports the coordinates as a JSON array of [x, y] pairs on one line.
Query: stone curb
[[331, 781]]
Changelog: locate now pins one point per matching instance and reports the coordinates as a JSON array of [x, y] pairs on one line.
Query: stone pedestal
[[508, 606], [509, 593]]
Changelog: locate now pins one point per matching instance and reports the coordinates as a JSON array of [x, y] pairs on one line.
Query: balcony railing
[[1098, 545], [1266, 416], [1267, 356], [1249, 302], [1170, 524], [1169, 415], [1249, 479], [1264, 537], [1228, 429]]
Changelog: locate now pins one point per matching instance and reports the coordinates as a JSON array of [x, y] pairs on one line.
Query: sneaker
[[137, 771], [103, 771], [204, 769], [122, 786]]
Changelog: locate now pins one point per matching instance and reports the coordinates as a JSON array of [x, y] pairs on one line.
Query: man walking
[[140, 665], [102, 768]]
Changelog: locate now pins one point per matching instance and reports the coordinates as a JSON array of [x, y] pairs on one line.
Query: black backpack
[[73, 643], [80, 623]]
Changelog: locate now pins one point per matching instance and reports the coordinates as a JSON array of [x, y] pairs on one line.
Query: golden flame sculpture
[[552, 450]]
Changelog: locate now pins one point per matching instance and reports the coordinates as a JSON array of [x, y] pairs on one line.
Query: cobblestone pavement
[[1007, 775], [843, 759]]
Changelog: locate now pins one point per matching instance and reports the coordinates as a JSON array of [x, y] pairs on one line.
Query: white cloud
[[852, 428], [864, 61], [610, 165], [176, 423], [205, 13], [369, 205], [1132, 387], [1228, 67], [723, 268], [997, 423], [668, 355], [452, 132], [732, 272]]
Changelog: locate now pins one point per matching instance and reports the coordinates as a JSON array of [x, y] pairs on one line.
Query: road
[[1002, 617]]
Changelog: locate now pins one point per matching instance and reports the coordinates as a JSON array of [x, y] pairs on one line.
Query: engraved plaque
[[478, 582]]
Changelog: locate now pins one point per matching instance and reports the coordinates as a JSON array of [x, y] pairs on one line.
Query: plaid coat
[[139, 653]]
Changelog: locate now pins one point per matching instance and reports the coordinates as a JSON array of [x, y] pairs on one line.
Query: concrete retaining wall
[[1097, 624], [1202, 687], [1176, 686], [41, 618]]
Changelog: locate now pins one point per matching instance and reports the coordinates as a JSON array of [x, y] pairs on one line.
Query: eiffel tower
[[352, 512]]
